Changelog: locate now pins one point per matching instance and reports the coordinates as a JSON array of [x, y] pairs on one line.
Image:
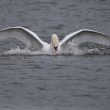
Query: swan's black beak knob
[[55, 48]]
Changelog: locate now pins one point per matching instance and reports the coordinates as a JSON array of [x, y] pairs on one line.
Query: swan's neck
[[54, 42]]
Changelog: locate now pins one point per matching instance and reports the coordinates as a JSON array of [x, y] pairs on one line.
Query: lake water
[[63, 82]]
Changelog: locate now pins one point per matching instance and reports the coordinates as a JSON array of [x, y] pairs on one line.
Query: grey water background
[[55, 82]]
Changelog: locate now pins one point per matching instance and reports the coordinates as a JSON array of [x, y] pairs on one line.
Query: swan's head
[[54, 41]]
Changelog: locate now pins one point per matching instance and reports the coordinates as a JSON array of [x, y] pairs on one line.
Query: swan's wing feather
[[84, 36], [29, 38]]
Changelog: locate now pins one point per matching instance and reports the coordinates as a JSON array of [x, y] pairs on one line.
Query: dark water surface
[[40, 82], [55, 82]]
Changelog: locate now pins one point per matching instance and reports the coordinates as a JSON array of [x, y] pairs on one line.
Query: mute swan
[[34, 43]]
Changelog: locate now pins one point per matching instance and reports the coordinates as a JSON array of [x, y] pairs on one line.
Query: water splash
[[18, 51], [74, 51]]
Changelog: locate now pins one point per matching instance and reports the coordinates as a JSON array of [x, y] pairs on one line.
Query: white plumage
[[34, 43]]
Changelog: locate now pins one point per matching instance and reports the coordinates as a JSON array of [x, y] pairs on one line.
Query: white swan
[[34, 43]]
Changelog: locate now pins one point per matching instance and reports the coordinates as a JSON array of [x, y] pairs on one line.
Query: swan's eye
[[55, 48]]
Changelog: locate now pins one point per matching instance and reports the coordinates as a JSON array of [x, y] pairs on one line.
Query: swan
[[34, 43]]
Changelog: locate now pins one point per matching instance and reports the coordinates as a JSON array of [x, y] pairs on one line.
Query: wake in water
[[77, 43]]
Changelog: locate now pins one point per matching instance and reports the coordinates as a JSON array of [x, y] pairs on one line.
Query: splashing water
[[74, 51], [18, 51]]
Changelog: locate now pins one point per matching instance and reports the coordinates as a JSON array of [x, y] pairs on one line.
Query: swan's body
[[34, 43]]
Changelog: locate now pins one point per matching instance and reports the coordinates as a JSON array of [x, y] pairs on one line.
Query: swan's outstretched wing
[[26, 36], [84, 36]]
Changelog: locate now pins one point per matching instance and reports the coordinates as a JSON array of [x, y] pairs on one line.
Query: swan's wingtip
[[20, 27], [88, 30]]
